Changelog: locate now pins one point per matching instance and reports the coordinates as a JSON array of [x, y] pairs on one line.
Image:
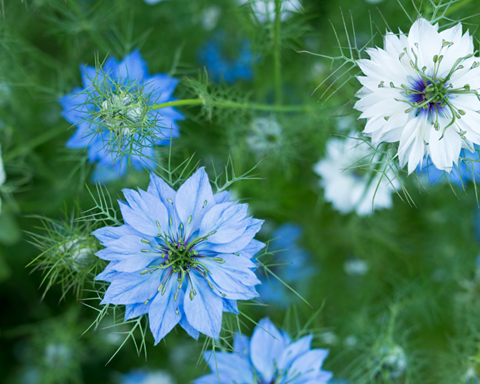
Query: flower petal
[[163, 311], [204, 311]]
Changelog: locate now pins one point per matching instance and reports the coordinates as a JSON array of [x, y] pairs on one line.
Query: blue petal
[[110, 67], [241, 345], [251, 249], [212, 378], [228, 221], [164, 192], [161, 87], [233, 278], [171, 113], [188, 328], [204, 312], [194, 198], [222, 197], [106, 174], [127, 247], [135, 310], [162, 315], [294, 351], [132, 288], [235, 368], [237, 244], [286, 236], [132, 68], [74, 109], [230, 306], [108, 274], [83, 136], [306, 368], [266, 347], [107, 234], [143, 211], [90, 76]]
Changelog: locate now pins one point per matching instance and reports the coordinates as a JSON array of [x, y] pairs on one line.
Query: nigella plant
[[182, 257], [269, 357], [115, 115], [221, 67], [421, 90], [293, 267]]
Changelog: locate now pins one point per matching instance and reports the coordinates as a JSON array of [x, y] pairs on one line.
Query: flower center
[[431, 93], [179, 257], [120, 113]]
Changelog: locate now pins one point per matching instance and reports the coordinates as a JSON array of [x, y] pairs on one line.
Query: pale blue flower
[[296, 271], [182, 257], [220, 67], [146, 377], [269, 357], [102, 91]]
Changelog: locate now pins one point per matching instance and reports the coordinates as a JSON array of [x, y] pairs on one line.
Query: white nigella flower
[[210, 16], [265, 135], [348, 185], [264, 10], [421, 91], [355, 267], [2, 175]]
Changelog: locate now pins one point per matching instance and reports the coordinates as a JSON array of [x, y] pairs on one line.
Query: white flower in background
[[264, 136], [348, 185], [373, 1], [264, 10], [421, 91], [355, 267], [210, 16], [2, 176]]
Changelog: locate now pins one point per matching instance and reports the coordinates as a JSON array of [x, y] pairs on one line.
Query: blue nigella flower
[[182, 257], [219, 67], [146, 377], [459, 176], [296, 272], [269, 357], [109, 98]]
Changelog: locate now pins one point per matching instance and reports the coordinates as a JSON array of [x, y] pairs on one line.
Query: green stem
[[235, 105], [39, 140], [277, 62]]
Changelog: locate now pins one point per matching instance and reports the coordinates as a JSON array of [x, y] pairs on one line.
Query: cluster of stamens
[[179, 257], [432, 94]]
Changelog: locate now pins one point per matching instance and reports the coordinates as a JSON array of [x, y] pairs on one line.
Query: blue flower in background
[[459, 176], [146, 377], [297, 271], [182, 257], [116, 89], [219, 67], [269, 357]]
